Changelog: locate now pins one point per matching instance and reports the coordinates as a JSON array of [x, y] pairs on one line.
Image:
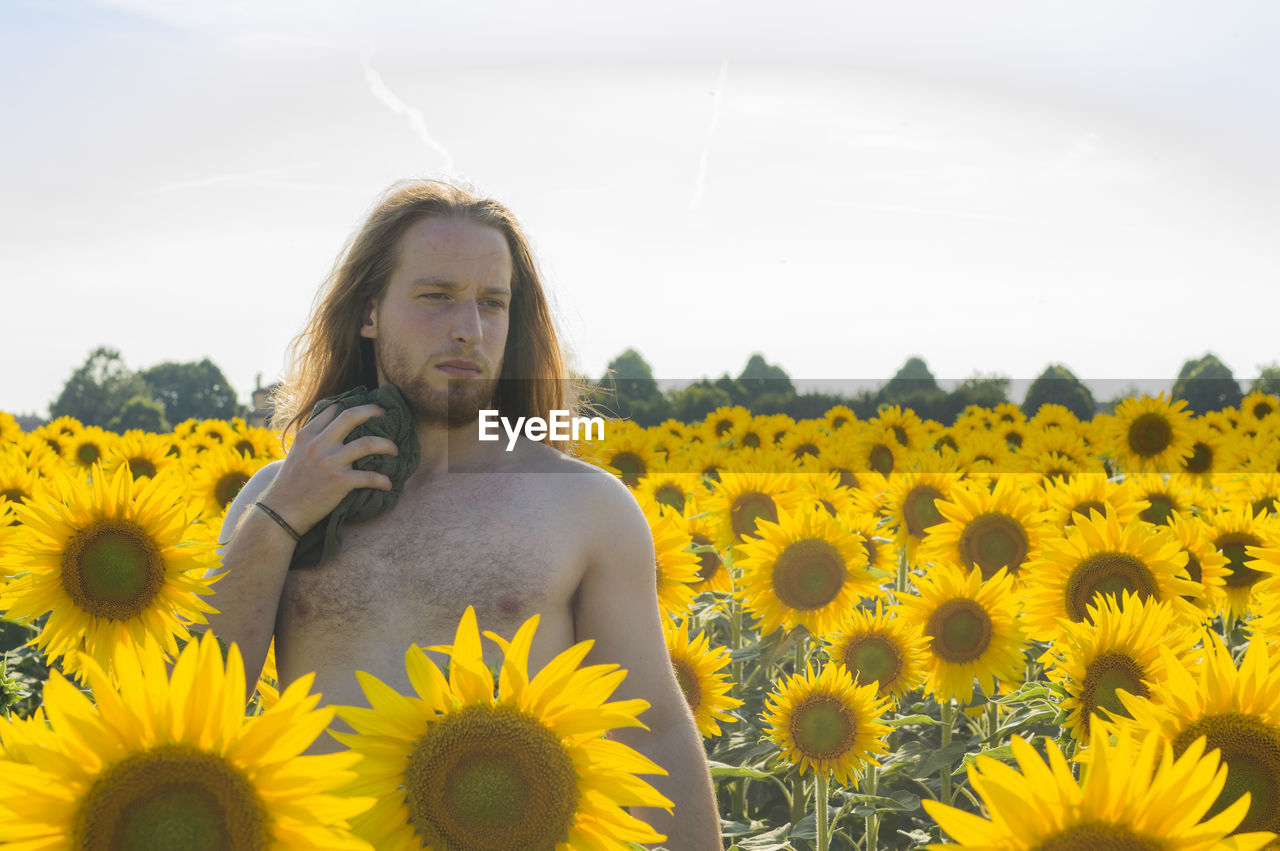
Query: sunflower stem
[[820, 796], [948, 720], [798, 797], [993, 721], [872, 840], [900, 581]]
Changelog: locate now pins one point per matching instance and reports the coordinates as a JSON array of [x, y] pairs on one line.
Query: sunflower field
[[1007, 633]]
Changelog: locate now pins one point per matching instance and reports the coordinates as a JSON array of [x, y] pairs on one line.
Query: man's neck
[[443, 449]]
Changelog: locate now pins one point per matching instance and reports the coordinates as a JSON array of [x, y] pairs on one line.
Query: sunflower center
[[709, 561], [1262, 409], [1107, 573], [141, 467], [1084, 508], [172, 796], [900, 435], [1265, 505], [822, 728], [490, 777], [847, 478], [14, 495], [1194, 571], [874, 658], [87, 453], [1104, 676], [808, 574], [1095, 835], [1160, 510], [670, 495], [992, 541], [1201, 459], [630, 465], [1251, 750], [688, 680], [880, 459], [960, 629], [112, 569], [1232, 546], [1013, 439], [803, 450], [245, 447], [229, 486], [1149, 435], [919, 511], [747, 509]]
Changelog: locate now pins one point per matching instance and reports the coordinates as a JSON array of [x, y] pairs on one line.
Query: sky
[[992, 186]]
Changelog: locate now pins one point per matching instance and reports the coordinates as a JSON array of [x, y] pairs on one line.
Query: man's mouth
[[459, 368]]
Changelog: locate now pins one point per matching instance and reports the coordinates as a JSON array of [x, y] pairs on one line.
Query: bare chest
[[501, 544]]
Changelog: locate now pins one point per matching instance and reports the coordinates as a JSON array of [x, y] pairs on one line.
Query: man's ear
[[369, 322]]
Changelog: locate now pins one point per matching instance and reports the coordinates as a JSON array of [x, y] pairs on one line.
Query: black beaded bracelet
[[284, 524]]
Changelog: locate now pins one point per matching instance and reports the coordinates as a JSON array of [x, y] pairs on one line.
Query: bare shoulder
[[596, 496]]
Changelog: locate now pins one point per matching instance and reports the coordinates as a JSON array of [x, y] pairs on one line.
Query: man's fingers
[[352, 417], [367, 479], [367, 445]]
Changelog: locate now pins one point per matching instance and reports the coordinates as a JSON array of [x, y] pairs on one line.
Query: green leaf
[[772, 840], [912, 719], [942, 757], [719, 769]]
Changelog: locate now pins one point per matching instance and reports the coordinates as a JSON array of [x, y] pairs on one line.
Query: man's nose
[[466, 322]]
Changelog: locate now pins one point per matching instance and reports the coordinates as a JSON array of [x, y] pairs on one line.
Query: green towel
[[323, 539]]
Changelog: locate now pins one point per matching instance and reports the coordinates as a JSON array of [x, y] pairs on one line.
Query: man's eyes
[[495, 303]]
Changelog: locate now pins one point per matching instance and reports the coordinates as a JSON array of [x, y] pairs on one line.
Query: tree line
[[104, 392], [629, 390]]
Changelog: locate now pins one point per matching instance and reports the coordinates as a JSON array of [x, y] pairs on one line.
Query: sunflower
[[1260, 406], [839, 416], [877, 648], [720, 423], [972, 630], [1211, 452], [1051, 416], [907, 428], [840, 456], [713, 575], [1238, 710], [805, 440], [1166, 496], [673, 487], [826, 490], [526, 766], [741, 500], [880, 554], [988, 529], [171, 761], [1087, 492], [828, 723], [876, 449], [704, 461], [749, 434], [218, 476], [1149, 434], [627, 452], [675, 565], [1233, 528], [1134, 794], [696, 665], [146, 454], [19, 477], [111, 563], [1117, 647], [807, 569], [983, 452], [1260, 490], [911, 502], [1098, 557], [87, 446], [1056, 453]]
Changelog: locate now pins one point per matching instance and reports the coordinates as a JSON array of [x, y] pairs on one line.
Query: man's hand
[[317, 473], [617, 607]]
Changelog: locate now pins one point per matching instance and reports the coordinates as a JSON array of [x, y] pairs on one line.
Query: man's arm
[[617, 607]]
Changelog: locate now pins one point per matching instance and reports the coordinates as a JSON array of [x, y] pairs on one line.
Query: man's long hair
[[330, 357]]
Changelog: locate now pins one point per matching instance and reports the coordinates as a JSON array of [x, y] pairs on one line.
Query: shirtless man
[[440, 284]]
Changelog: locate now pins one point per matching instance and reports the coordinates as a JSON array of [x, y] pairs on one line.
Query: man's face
[[440, 328]]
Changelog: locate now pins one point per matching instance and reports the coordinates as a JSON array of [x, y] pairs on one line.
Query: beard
[[457, 405]]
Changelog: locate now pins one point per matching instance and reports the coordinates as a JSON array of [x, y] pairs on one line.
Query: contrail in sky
[[700, 184], [416, 119]]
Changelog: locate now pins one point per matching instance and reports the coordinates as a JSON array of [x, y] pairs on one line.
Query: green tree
[[697, 400], [1059, 385], [98, 389], [141, 412], [762, 381], [1268, 380], [913, 386], [985, 391], [1207, 384], [197, 389], [629, 390]]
